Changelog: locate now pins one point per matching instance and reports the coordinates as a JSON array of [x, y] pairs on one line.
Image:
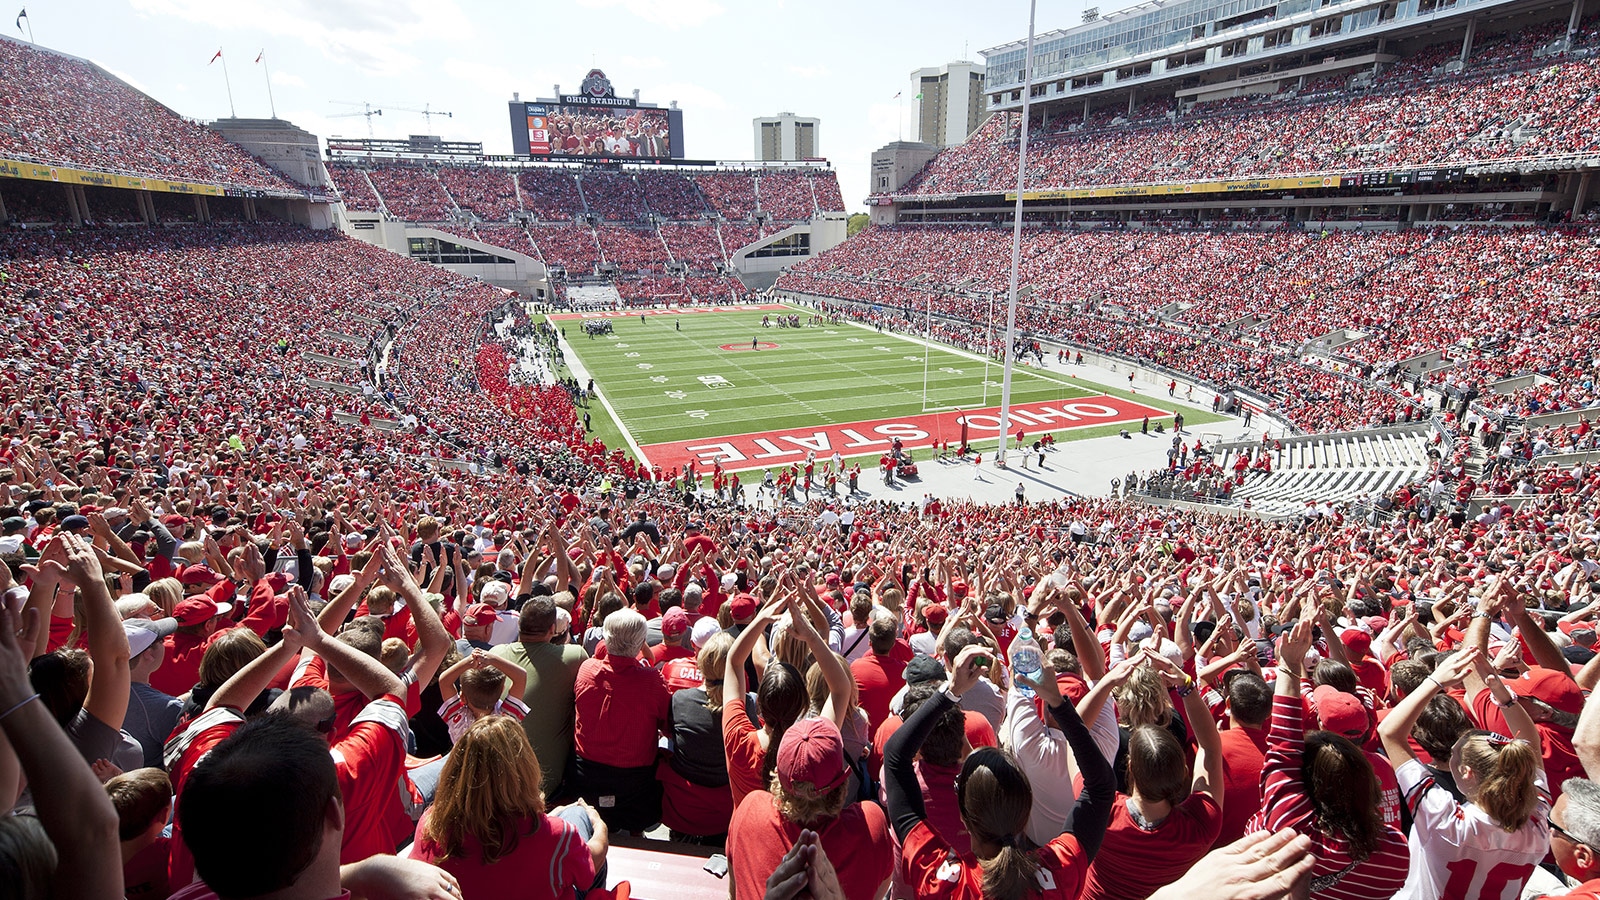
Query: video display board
[[596, 124]]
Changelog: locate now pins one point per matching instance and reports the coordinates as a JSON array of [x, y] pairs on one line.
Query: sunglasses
[[1557, 829]]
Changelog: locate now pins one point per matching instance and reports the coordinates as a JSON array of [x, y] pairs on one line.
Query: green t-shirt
[[552, 670]]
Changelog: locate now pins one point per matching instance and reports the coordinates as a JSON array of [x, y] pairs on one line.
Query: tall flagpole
[[1016, 243], [262, 57], [227, 82]]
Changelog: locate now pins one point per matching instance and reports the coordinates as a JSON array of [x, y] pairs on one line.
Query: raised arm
[[733, 680], [108, 643], [1516, 717], [1395, 729], [245, 685], [833, 671], [71, 805], [338, 609], [433, 641], [1091, 657]]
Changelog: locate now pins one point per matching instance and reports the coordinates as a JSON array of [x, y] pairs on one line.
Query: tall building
[[950, 103], [786, 137]]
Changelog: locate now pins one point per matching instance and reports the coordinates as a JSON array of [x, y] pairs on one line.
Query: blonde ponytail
[[1505, 770]]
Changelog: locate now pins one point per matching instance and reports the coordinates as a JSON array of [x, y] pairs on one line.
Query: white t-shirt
[[1458, 851], [506, 627]]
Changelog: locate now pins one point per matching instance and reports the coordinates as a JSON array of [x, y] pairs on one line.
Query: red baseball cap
[[674, 622], [742, 606], [811, 758], [1358, 642], [1340, 712], [958, 588], [479, 614], [198, 609], [935, 614], [200, 575], [1551, 687]]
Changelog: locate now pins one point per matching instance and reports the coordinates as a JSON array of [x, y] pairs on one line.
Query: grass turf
[[652, 375]]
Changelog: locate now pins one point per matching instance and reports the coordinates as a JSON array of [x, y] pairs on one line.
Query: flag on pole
[[897, 94], [260, 56], [20, 16], [215, 58]]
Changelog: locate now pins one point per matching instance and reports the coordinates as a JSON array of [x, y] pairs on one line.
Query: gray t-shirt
[[151, 717], [97, 740]]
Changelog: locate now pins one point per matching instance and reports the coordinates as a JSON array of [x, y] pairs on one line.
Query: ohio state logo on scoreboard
[[596, 84]]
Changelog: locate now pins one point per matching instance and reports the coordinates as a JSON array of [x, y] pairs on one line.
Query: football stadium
[[1154, 461]]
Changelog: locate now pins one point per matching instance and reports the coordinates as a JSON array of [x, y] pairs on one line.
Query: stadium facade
[[1218, 48]]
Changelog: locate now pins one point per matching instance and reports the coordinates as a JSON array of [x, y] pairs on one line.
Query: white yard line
[[576, 367]]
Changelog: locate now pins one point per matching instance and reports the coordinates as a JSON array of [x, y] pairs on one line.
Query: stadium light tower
[[1016, 242]]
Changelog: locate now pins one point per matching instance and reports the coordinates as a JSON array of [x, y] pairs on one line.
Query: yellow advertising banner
[[1195, 187], [10, 168]]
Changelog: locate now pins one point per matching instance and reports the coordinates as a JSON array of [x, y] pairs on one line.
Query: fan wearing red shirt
[[880, 674], [494, 834], [808, 792], [1358, 856], [1171, 816], [143, 798], [622, 710], [368, 762], [264, 815], [1244, 752], [674, 639], [996, 801], [200, 618]]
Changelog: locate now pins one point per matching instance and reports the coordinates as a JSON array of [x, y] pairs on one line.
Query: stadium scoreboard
[[596, 124], [1404, 177]]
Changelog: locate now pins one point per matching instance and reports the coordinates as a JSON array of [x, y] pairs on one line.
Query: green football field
[[667, 384]]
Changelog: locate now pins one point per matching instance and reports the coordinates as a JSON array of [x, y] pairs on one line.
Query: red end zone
[[768, 448], [676, 311]]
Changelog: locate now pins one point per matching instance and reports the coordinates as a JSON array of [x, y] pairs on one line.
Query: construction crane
[[365, 110], [427, 113]]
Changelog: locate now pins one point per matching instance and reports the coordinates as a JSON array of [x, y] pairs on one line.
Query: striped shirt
[[1284, 804]]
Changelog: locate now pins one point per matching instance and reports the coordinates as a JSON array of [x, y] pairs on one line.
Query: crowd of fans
[[486, 194], [66, 111], [696, 246], [1509, 102], [1087, 698], [408, 631], [1241, 307]]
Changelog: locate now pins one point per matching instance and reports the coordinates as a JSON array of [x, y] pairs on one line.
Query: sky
[[724, 61]]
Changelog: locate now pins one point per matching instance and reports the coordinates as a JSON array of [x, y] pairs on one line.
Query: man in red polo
[[880, 674], [622, 710]]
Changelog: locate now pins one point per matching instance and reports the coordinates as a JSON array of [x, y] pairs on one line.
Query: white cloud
[[288, 79], [810, 71], [673, 14], [626, 62], [689, 96], [373, 36]]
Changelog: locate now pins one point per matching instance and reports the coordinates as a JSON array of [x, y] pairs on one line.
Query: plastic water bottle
[[1025, 659]]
